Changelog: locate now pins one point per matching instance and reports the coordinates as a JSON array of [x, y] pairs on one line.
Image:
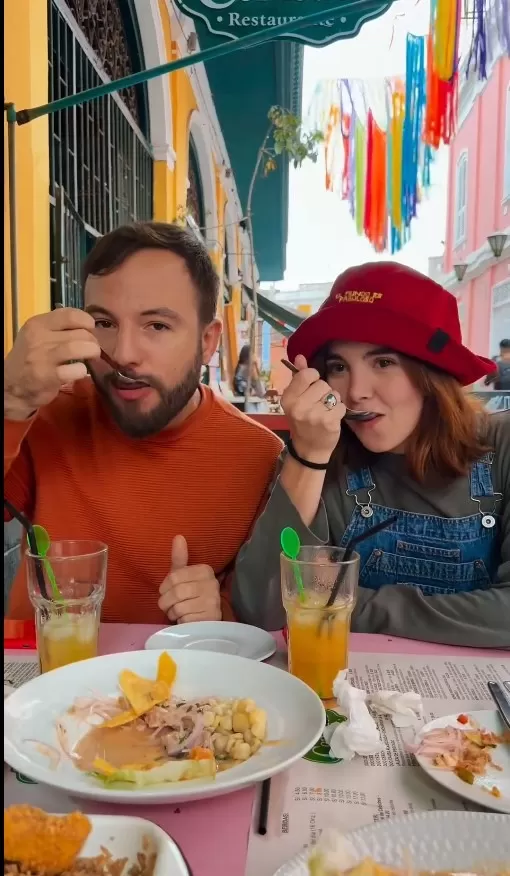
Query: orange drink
[[318, 637], [317, 659], [64, 639], [67, 589]]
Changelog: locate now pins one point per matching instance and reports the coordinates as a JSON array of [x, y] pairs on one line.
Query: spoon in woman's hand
[[361, 416]]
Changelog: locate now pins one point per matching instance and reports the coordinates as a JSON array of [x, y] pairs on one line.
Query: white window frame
[[493, 340], [461, 193], [506, 164], [462, 311]]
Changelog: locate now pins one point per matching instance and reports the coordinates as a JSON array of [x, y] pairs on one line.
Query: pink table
[[213, 834]]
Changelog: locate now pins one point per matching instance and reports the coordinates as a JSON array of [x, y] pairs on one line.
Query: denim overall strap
[[482, 489], [359, 480], [481, 477]]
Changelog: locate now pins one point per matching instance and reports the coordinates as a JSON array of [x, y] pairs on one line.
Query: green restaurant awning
[[282, 319], [244, 87]]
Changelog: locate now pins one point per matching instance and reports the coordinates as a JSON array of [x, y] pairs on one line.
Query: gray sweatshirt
[[479, 619]]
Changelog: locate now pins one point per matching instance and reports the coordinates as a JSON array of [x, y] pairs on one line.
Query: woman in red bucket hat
[[387, 341]]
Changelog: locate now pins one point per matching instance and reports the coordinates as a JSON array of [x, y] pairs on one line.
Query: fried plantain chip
[[141, 693]]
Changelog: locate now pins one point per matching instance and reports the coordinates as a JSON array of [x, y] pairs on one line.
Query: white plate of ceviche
[[158, 727], [426, 843], [470, 755]]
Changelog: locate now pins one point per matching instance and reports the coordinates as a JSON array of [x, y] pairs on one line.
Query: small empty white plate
[[223, 637]]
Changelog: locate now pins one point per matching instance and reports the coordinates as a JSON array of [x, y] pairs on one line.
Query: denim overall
[[436, 554]]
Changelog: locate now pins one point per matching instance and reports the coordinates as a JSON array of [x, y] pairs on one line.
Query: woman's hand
[[314, 428]]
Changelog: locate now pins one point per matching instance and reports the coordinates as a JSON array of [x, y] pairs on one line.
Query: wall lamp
[[497, 243], [460, 271]]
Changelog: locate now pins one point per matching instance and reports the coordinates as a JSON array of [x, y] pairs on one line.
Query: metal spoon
[[111, 362], [106, 358], [361, 416]]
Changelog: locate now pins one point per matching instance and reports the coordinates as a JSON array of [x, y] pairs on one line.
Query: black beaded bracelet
[[317, 466]]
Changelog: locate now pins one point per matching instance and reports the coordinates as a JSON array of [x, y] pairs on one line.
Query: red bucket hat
[[388, 304]]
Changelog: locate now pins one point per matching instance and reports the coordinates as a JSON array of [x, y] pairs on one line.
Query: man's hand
[[47, 354], [189, 593]]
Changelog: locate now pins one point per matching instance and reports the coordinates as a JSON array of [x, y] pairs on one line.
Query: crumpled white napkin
[[404, 709], [359, 733]]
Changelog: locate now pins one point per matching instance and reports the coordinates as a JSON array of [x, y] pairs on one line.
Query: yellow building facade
[[156, 152]]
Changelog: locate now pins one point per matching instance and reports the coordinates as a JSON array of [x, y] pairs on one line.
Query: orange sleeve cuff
[[14, 433]]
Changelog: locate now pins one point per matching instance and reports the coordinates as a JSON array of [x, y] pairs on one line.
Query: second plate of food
[[149, 726], [470, 755], [222, 637]]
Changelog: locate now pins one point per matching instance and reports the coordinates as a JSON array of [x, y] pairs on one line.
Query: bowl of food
[[38, 843], [159, 727]]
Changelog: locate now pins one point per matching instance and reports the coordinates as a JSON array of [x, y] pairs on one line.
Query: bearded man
[[142, 456]]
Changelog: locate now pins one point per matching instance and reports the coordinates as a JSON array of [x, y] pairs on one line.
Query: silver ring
[[330, 401]]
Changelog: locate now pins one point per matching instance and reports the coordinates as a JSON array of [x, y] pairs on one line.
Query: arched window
[[100, 160], [506, 172], [461, 186], [195, 196]]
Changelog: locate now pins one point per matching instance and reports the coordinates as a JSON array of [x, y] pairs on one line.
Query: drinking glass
[[318, 637], [67, 622]]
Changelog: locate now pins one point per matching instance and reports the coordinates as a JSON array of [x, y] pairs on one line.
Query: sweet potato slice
[[42, 842]]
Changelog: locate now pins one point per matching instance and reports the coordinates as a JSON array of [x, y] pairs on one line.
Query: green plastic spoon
[[43, 545], [291, 546]]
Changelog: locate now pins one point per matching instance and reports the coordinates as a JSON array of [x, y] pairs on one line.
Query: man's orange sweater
[[71, 470]]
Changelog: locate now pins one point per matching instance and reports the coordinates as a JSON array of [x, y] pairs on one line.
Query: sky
[[322, 238]]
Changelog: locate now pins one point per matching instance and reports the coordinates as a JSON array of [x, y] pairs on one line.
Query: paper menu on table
[[312, 796], [19, 670]]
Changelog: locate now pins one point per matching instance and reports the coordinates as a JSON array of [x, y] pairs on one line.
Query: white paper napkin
[[404, 709], [359, 733]]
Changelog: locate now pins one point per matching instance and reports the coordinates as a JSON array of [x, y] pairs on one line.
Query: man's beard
[[138, 424]]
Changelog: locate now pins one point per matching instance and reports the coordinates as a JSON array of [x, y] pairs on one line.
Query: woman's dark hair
[[244, 355], [112, 250], [448, 437]]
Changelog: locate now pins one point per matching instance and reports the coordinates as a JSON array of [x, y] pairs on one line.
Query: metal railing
[[495, 400]]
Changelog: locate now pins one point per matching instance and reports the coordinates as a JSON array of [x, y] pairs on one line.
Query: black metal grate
[[104, 27], [99, 159]]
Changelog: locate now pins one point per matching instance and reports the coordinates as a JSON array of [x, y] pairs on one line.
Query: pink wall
[[476, 296], [482, 134]]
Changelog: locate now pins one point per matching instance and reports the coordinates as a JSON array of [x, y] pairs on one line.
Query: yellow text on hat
[[358, 297]]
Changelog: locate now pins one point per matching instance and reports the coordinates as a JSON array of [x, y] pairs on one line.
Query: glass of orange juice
[[67, 622], [318, 637]]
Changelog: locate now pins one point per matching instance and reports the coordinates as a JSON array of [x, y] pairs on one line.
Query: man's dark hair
[[112, 250], [504, 344]]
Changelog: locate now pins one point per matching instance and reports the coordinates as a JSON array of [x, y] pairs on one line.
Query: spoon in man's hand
[[361, 416], [109, 361], [106, 358]]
